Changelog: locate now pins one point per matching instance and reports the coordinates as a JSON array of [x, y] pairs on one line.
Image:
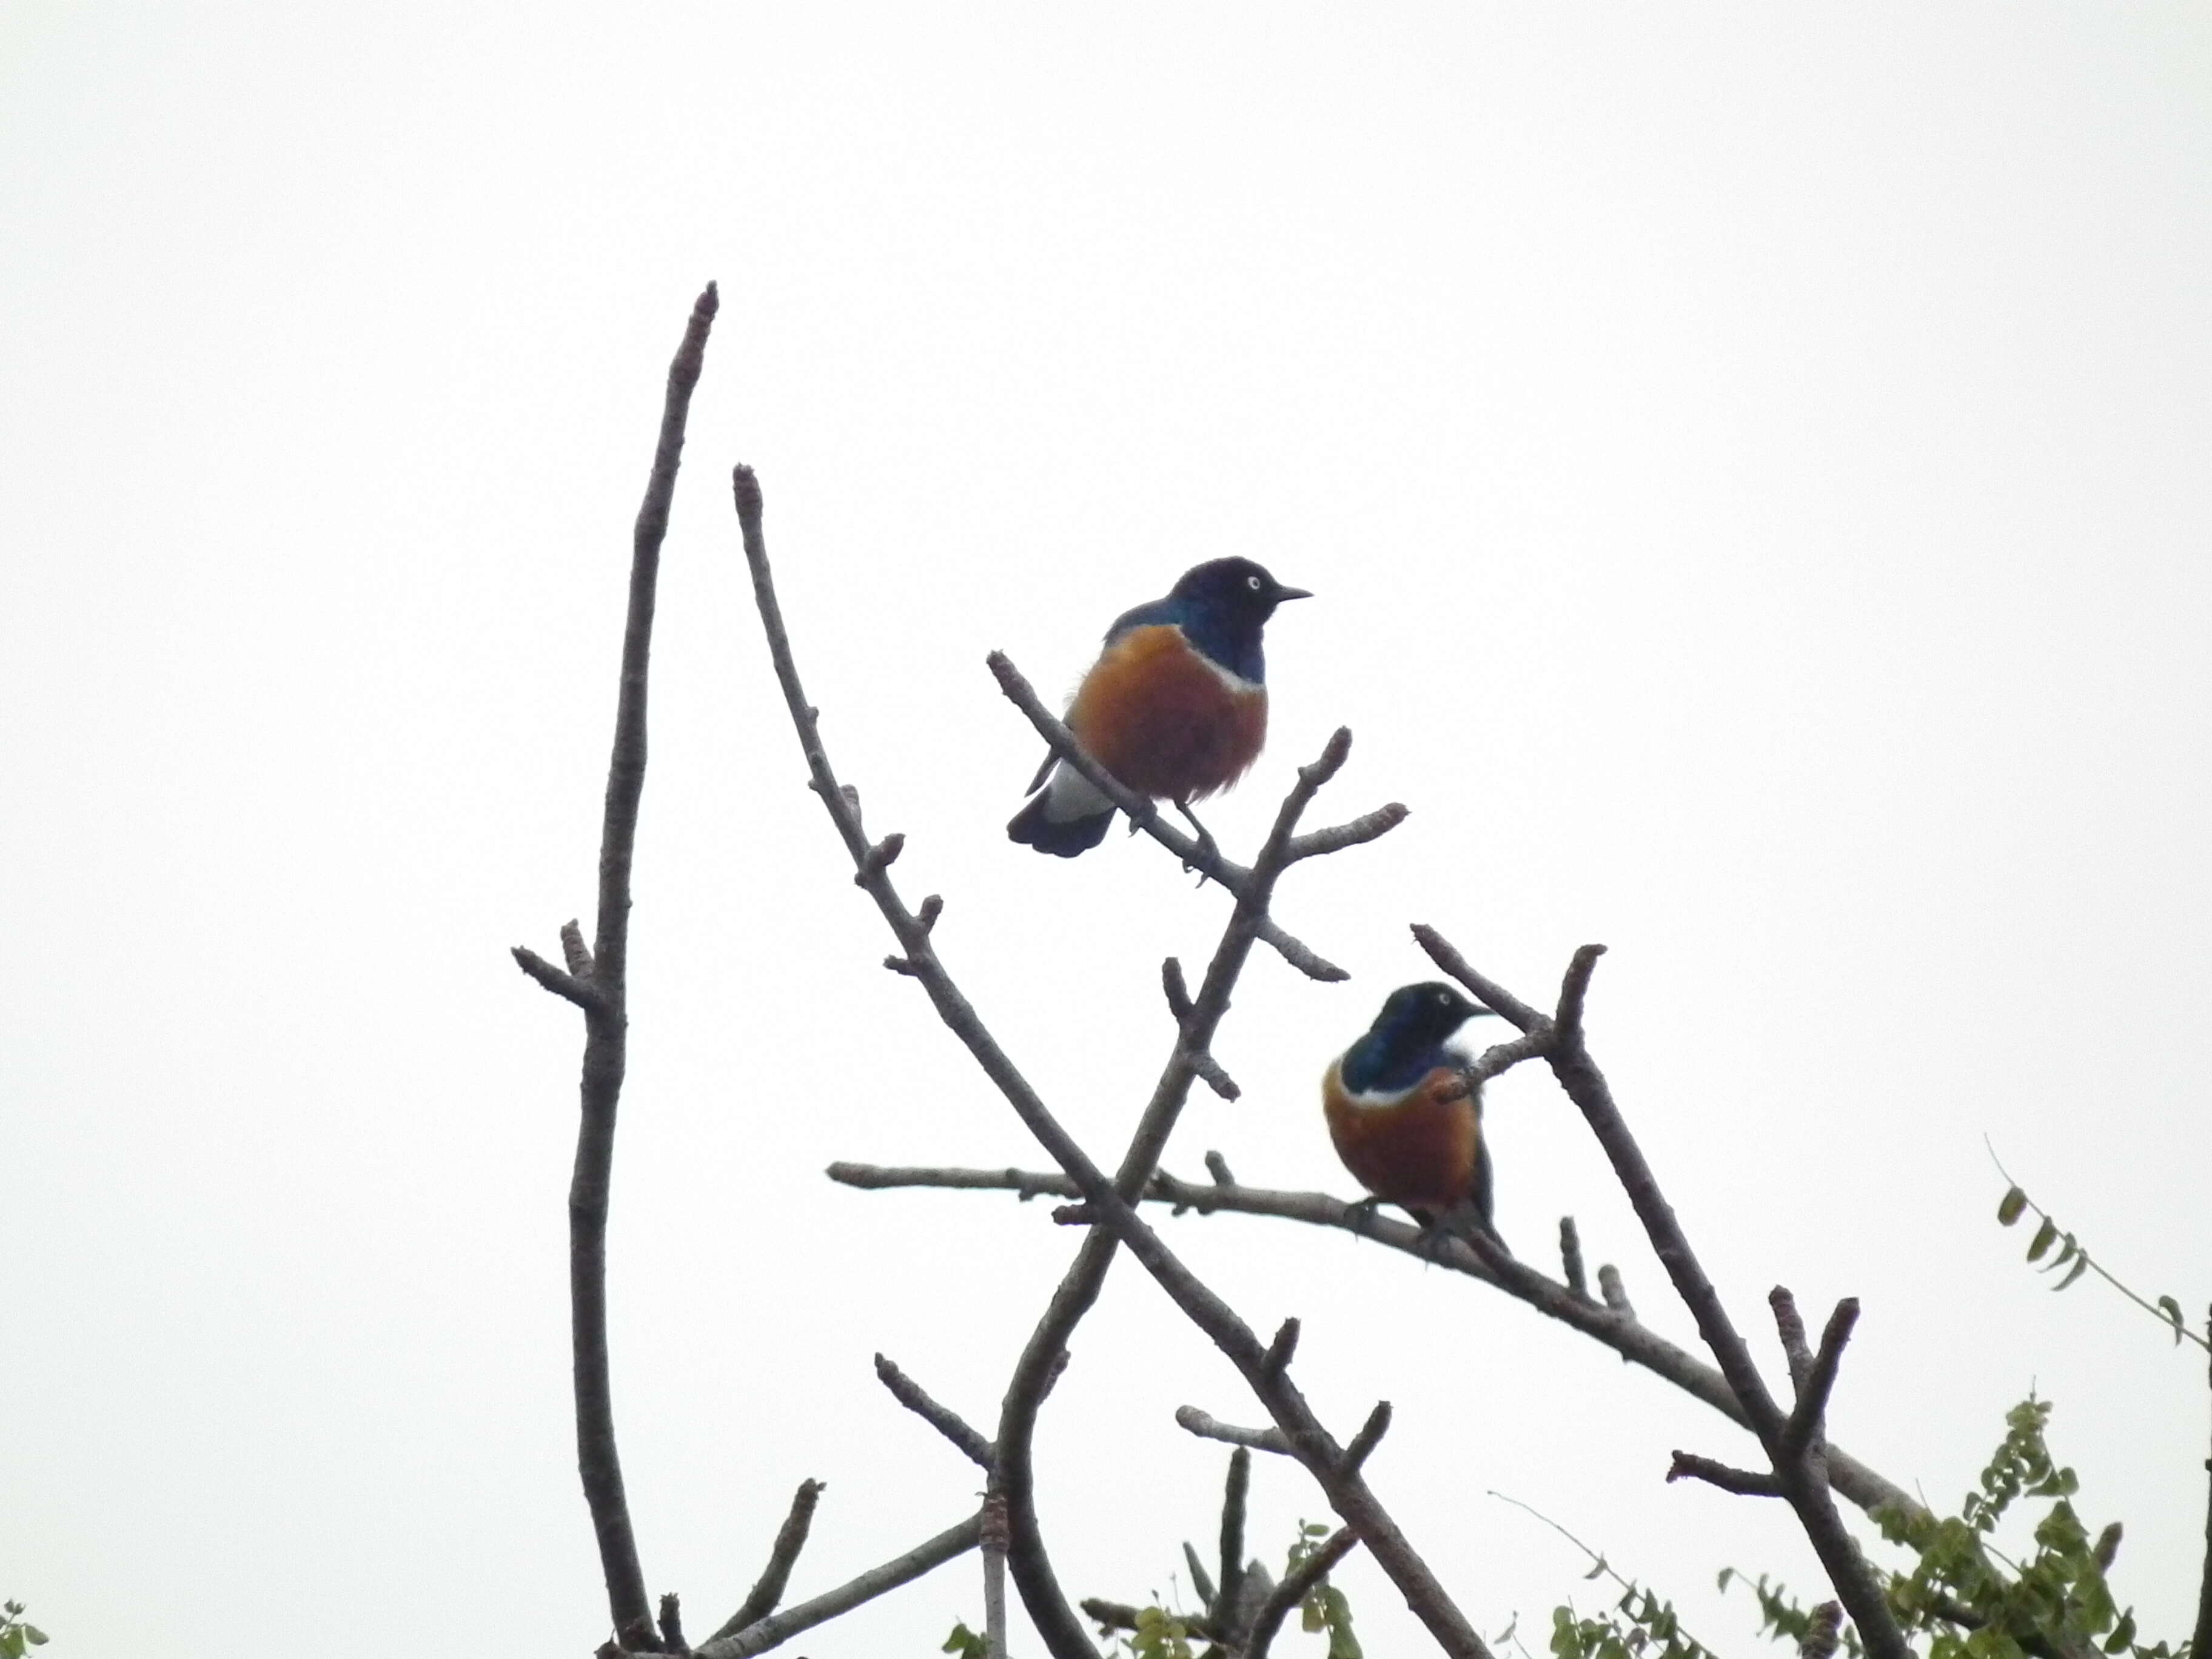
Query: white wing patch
[[1069, 795]]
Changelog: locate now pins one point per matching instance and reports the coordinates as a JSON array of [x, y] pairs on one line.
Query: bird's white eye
[[1443, 999], [1252, 582]]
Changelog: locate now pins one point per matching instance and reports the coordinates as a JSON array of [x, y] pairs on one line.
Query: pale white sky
[[1752, 466]]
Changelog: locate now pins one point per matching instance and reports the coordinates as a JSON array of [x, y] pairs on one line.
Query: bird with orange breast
[[1175, 708], [1402, 1118]]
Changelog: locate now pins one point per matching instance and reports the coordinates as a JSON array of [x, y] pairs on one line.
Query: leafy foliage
[[1780, 1614], [1160, 1635], [16, 1636], [965, 1643], [1639, 1626], [2074, 1259], [1324, 1608], [1965, 1597]]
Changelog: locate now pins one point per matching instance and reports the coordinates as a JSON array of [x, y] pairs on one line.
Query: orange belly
[[1419, 1152], [1155, 715]]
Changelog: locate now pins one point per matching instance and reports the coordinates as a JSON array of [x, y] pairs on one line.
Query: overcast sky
[[1752, 467]]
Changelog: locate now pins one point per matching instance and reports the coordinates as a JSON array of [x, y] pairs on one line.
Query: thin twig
[[1799, 1474], [1370, 1436], [1209, 1427], [790, 1539], [671, 1624], [947, 1421], [564, 985], [1297, 1585], [1570, 1258], [1616, 1294], [2172, 1320], [604, 999], [1599, 1563], [1745, 1483], [780, 1627], [1637, 1344], [1804, 1427], [1789, 1325]]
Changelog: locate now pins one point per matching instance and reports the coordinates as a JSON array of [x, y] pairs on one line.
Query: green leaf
[[2171, 1309], [11, 1640], [2122, 1634], [38, 1637], [2046, 1237], [1597, 1572], [965, 1641], [2080, 1266], [2011, 1205], [2067, 1251]]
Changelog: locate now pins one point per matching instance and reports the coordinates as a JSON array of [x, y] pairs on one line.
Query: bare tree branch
[[1234, 1493], [1347, 1492], [780, 1627], [1634, 1343], [1801, 1477], [671, 1624], [603, 999], [1296, 1585], [947, 1421], [994, 1573], [790, 1539]]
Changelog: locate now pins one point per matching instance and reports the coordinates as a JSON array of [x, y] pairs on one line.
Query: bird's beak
[[1283, 592]]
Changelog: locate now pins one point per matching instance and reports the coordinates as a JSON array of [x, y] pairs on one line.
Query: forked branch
[[1791, 1440], [1110, 1200]]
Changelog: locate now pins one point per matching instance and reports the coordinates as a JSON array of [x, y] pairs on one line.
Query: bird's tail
[[1035, 826], [1064, 818]]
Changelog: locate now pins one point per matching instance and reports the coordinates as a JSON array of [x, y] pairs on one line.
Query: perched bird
[[1175, 707], [1402, 1120]]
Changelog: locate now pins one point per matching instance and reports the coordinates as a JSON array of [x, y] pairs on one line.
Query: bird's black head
[[1221, 606], [1407, 1037], [1424, 1015], [1235, 590]]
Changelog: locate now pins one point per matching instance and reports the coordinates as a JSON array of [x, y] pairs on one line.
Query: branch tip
[[1370, 1436], [1744, 1483], [884, 854], [1570, 1258]]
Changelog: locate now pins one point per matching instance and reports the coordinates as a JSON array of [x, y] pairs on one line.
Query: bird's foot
[[1360, 1217], [1209, 850]]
